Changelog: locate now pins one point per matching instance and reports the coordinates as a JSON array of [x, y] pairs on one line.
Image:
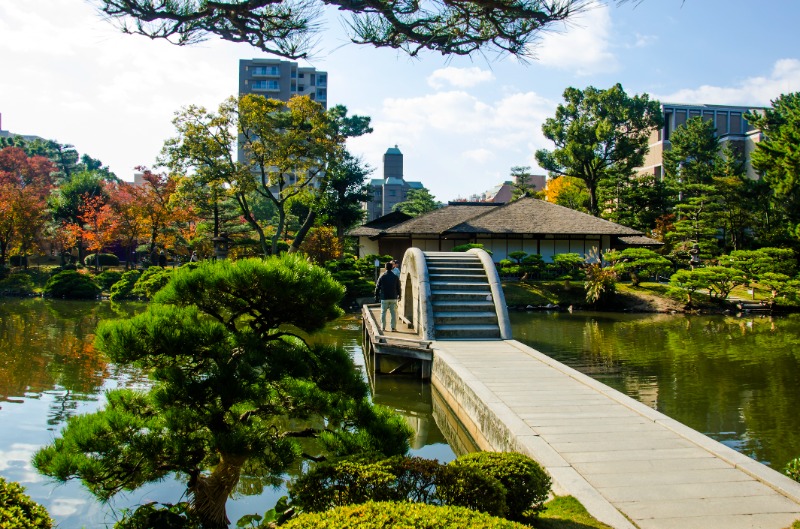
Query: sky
[[461, 122]]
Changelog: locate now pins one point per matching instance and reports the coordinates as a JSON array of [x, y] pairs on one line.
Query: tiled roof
[[530, 215], [377, 226], [640, 240], [441, 220]]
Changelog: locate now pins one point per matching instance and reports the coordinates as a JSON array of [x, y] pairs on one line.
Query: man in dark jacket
[[387, 290]]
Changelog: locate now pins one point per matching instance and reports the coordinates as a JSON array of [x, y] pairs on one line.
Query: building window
[[322, 94], [736, 122], [270, 85], [680, 118], [266, 70], [322, 80], [722, 123]]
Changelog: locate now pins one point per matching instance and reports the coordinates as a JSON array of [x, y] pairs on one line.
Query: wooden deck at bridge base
[[629, 465]]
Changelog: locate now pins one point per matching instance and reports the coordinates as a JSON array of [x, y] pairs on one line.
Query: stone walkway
[[630, 465]]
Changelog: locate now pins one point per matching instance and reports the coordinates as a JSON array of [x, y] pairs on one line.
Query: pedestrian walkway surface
[[630, 465]]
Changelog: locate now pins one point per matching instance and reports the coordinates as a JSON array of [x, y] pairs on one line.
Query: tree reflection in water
[[735, 379]]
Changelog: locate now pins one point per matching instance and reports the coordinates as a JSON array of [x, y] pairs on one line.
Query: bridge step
[[466, 332], [460, 285], [463, 306], [466, 318], [460, 295], [456, 276]]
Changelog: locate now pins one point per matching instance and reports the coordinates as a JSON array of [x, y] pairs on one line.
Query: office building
[[278, 79], [732, 128]]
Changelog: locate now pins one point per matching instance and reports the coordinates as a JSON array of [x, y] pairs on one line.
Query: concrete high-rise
[[732, 128], [277, 79]]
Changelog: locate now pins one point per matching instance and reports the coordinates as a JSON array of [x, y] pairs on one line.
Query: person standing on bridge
[[387, 290]]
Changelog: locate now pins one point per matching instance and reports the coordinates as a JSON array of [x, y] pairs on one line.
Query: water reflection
[[735, 379], [49, 371]]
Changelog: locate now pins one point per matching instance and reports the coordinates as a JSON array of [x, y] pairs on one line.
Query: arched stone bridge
[[452, 296]]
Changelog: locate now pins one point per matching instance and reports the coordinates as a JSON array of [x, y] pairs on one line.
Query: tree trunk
[[210, 492], [303, 231]]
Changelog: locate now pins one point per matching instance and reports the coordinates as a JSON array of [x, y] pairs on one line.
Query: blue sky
[[461, 123]]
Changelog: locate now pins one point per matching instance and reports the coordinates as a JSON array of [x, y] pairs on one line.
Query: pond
[[735, 379], [49, 371]]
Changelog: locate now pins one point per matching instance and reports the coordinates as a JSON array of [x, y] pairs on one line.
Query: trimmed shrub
[[106, 259], [527, 484], [151, 281], [160, 515], [71, 284], [469, 246], [18, 511], [385, 514], [358, 480], [16, 285], [107, 278], [470, 487], [123, 288]]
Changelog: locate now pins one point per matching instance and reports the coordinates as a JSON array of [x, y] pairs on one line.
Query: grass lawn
[[537, 293], [565, 512]]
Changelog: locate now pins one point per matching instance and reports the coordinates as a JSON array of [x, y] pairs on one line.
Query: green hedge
[[380, 515], [106, 259], [501, 484], [16, 285], [18, 511], [527, 484], [71, 284], [123, 288]]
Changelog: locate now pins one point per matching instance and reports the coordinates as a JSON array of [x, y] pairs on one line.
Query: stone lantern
[[221, 245]]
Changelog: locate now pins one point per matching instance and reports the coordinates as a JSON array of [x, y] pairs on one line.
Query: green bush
[[469, 246], [359, 480], [470, 487], [107, 278], [151, 281], [16, 285], [505, 263], [18, 511], [526, 482], [381, 515], [123, 288], [106, 259], [159, 515], [71, 284]]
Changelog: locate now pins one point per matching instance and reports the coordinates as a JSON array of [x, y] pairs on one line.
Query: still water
[[49, 371], [734, 379]]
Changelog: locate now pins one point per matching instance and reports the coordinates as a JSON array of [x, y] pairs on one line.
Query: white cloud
[[455, 143], [759, 91], [459, 77], [642, 41], [584, 46]]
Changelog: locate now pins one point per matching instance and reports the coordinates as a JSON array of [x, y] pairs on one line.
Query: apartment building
[[732, 128], [391, 189], [279, 79]]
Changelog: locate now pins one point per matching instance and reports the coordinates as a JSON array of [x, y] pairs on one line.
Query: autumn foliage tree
[[24, 184], [97, 227]]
